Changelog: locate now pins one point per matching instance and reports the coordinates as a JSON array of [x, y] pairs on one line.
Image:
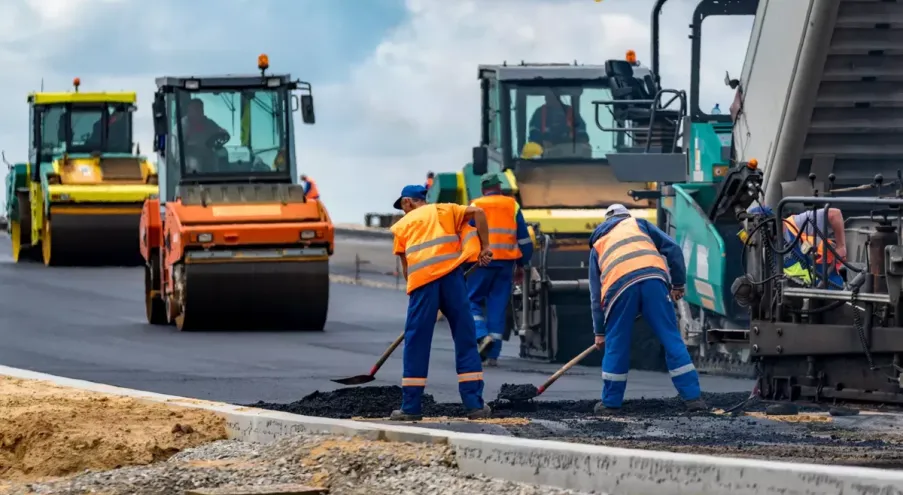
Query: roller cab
[[232, 238], [79, 202], [563, 180]]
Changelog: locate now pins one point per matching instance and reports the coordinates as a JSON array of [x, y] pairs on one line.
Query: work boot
[[399, 415], [696, 405], [602, 410], [491, 363], [483, 413]]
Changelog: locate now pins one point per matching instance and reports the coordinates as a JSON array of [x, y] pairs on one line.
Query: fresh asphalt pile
[[812, 435]]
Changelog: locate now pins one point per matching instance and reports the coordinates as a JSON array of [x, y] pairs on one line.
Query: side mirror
[[307, 109], [159, 109], [480, 160]]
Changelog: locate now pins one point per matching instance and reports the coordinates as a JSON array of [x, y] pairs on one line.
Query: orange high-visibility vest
[[434, 244], [429, 182], [313, 193], [820, 249], [569, 115], [624, 250], [501, 215]]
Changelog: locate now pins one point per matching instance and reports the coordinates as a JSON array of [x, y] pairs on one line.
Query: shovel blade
[[355, 380]]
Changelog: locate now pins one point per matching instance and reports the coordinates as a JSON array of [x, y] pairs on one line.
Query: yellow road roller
[[78, 199]]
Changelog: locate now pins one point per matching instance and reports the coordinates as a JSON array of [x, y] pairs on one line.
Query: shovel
[[362, 379], [521, 393]]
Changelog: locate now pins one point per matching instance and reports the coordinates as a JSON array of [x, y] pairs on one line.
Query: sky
[[394, 81]]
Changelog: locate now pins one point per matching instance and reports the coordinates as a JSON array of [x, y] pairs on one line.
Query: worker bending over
[[310, 187], [489, 287], [808, 255], [432, 241], [628, 276]]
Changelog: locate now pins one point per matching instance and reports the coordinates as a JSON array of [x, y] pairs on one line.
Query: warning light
[[76, 83], [752, 164], [631, 57], [263, 62]]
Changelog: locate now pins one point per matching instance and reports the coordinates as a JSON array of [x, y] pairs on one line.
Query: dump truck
[[232, 239], [812, 127], [78, 198], [562, 186]]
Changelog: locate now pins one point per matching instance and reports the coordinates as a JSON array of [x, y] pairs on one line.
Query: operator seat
[[626, 87]]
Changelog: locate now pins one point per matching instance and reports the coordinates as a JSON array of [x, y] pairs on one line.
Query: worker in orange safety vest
[[432, 241], [310, 187], [632, 267], [430, 177], [489, 287]]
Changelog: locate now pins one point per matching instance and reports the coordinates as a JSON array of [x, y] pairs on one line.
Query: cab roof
[[532, 72], [222, 81], [42, 98]]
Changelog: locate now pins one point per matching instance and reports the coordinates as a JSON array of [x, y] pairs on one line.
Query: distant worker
[[197, 128], [555, 122], [430, 177], [489, 287], [310, 187], [628, 276], [117, 138], [808, 254], [432, 241]]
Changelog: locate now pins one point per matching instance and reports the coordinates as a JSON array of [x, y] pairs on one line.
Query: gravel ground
[[346, 466]]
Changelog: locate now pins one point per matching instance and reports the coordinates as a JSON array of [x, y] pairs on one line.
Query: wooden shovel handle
[[570, 364], [382, 359]]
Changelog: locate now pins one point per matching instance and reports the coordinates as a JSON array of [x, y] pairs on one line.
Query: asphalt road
[[88, 323]]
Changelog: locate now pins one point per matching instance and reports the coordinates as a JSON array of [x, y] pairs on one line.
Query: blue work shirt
[[524, 243], [665, 246]]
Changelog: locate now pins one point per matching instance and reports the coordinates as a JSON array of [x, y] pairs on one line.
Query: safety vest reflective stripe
[[470, 377], [683, 370], [413, 382], [624, 250]]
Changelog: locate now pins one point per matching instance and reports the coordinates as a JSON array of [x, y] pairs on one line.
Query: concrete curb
[[587, 468]]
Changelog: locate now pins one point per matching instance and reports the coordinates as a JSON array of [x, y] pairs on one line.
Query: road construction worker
[[489, 287], [310, 187], [197, 127], [430, 177], [556, 123], [629, 266], [806, 257], [432, 241]]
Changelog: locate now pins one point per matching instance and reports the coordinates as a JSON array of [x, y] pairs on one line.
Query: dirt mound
[[50, 431]]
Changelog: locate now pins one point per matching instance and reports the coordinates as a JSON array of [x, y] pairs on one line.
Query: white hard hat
[[616, 210]]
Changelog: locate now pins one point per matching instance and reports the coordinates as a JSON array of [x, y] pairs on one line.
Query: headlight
[[308, 234], [205, 237]]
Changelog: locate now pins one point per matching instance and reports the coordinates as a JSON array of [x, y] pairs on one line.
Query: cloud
[[413, 105], [395, 84]]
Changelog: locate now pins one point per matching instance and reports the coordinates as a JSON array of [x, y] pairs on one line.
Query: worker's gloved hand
[[518, 275], [485, 257], [677, 293], [599, 341]]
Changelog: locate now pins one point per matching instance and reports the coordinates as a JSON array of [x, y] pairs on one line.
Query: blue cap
[[415, 191]]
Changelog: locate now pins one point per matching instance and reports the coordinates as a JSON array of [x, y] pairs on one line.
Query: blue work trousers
[[489, 290], [650, 297], [449, 295]]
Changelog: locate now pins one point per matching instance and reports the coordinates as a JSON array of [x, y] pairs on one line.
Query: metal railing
[[655, 106]]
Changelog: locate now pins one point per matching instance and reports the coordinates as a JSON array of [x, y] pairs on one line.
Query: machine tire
[[15, 237], [49, 255], [183, 323], [154, 306], [315, 320]]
